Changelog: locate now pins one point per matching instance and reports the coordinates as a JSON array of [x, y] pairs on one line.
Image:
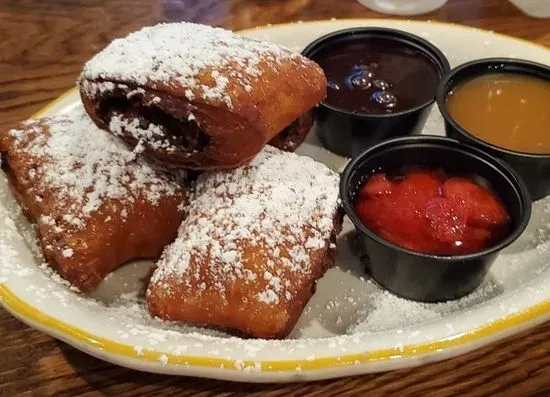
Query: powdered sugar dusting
[[178, 53], [153, 135], [83, 167], [280, 202], [386, 311], [379, 318]]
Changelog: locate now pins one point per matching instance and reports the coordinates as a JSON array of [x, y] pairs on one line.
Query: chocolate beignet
[[95, 205], [252, 247], [198, 97], [295, 134]]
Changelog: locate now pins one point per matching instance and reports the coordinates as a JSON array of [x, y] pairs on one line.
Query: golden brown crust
[[241, 109], [295, 134], [242, 315], [85, 247], [252, 247]]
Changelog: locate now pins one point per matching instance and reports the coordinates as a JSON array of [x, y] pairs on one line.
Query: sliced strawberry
[[420, 186], [376, 185], [424, 213], [447, 220], [392, 219], [484, 210]]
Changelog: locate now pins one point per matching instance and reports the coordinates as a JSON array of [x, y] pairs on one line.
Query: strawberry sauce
[[431, 212]]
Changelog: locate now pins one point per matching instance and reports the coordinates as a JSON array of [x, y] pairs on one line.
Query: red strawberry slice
[[484, 210], [447, 219], [420, 186], [377, 185], [393, 219]]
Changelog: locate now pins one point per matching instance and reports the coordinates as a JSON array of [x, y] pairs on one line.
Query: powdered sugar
[[152, 135], [279, 201], [179, 53], [67, 252], [83, 167], [386, 311], [380, 316]]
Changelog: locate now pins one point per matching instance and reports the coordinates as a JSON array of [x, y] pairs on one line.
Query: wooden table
[[43, 45]]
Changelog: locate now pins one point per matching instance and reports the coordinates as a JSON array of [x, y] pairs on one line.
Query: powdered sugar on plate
[[179, 53], [386, 311], [357, 307], [346, 302]]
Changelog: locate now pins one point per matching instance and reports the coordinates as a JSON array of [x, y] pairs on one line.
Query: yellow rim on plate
[[33, 315], [53, 103], [26, 311]]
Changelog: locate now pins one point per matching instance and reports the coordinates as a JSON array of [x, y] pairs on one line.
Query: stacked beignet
[[199, 97], [254, 242], [95, 205], [260, 225]]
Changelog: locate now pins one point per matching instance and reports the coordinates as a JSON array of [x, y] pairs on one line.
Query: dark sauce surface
[[378, 76]]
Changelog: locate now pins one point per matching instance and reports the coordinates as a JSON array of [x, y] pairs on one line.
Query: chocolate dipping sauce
[[378, 76]]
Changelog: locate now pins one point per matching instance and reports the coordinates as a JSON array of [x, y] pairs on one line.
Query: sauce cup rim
[[446, 85], [422, 44], [512, 177]]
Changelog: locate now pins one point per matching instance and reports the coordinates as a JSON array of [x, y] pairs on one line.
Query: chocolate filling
[[178, 131], [4, 161], [294, 135]]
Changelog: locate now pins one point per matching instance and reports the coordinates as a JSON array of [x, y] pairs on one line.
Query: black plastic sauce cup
[[347, 133], [421, 276], [534, 168]]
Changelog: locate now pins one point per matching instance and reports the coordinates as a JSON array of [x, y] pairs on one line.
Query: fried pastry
[[295, 134], [197, 97], [95, 205], [254, 242]]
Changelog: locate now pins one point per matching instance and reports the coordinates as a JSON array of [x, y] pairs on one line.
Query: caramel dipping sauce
[[508, 110]]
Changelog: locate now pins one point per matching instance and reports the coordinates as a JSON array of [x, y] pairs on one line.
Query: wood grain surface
[[43, 45]]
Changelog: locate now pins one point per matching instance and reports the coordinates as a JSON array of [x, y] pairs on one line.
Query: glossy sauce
[[378, 76], [431, 212], [511, 111]]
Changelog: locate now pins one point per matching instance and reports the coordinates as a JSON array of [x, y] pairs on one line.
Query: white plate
[[349, 327]]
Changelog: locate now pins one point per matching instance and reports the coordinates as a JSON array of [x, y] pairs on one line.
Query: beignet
[[198, 97], [96, 206], [295, 134], [254, 242]]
